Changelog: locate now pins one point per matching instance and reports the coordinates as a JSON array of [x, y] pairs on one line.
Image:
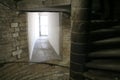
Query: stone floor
[[43, 51], [27, 71]]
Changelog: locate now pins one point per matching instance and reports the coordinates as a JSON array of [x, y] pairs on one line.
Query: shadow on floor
[[43, 51]]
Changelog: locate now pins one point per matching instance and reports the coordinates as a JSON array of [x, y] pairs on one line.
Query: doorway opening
[[43, 36]]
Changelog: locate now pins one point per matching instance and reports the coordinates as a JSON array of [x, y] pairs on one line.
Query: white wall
[[54, 31], [33, 30]]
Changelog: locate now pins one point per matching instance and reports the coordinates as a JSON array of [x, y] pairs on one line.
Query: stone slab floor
[[27, 71], [43, 51]]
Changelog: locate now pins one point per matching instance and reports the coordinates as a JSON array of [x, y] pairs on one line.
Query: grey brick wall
[[13, 40]]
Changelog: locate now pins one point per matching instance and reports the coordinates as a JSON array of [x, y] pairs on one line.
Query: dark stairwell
[[95, 53]]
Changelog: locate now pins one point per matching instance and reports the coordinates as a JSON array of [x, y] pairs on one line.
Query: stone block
[[12, 30], [17, 29], [18, 52], [22, 24], [23, 34], [14, 24], [15, 34], [14, 53]]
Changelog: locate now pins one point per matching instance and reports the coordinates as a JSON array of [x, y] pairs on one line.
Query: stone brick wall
[[66, 38], [13, 36]]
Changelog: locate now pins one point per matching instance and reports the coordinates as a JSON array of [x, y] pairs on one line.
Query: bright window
[[43, 25]]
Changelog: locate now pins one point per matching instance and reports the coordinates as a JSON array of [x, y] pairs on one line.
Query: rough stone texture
[[37, 4], [30, 71], [10, 40], [79, 20], [95, 40], [66, 36], [105, 42]]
